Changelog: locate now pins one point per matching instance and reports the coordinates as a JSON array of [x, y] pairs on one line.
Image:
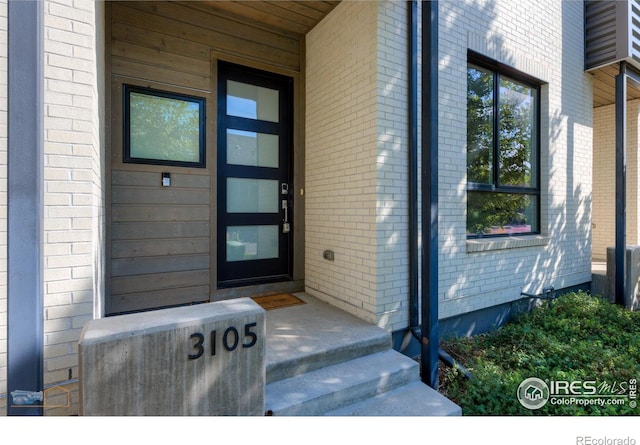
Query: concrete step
[[322, 361], [321, 358], [414, 399], [315, 335], [332, 387]]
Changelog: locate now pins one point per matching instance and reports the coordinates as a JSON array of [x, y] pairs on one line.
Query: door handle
[[286, 227]]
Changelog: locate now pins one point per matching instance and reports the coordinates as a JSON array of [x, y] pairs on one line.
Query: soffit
[[604, 86], [294, 17]]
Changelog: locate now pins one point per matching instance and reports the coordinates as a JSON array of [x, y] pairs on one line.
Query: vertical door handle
[[286, 228]]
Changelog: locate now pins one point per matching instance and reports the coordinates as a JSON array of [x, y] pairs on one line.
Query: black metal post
[[429, 311], [24, 208], [412, 8], [621, 182]]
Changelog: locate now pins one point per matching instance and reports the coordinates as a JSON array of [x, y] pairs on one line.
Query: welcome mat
[[270, 302]]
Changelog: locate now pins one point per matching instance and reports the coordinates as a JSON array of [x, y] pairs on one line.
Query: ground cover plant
[[578, 338]]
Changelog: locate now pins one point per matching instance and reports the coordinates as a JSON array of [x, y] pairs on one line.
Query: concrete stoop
[[348, 369]]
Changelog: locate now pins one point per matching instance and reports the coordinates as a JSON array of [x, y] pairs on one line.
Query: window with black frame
[[503, 151], [163, 128]]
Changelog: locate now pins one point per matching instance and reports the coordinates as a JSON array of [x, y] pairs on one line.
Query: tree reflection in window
[[163, 128], [502, 154]]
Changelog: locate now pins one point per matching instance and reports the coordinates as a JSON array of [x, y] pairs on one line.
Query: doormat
[[270, 302]]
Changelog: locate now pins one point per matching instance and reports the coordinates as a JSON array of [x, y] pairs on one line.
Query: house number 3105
[[230, 340]]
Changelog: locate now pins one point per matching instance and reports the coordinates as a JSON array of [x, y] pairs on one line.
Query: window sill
[[511, 242]]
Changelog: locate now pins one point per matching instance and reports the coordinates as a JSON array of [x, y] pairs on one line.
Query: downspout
[[429, 152], [423, 316], [427, 360]]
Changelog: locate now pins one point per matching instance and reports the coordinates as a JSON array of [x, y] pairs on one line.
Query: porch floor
[[311, 330]]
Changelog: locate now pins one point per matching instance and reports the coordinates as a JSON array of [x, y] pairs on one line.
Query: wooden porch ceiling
[[295, 17], [298, 17], [604, 86]]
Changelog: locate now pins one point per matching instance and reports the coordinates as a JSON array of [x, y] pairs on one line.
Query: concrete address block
[[200, 360]]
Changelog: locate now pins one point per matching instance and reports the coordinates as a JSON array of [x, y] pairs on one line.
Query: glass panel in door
[[254, 204]]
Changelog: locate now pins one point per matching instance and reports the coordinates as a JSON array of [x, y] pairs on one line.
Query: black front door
[[254, 173]]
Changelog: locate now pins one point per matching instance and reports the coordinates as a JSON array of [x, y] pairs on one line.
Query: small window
[[503, 151], [163, 128]]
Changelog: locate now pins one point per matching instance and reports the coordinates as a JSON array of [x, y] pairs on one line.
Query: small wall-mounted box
[[166, 179], [328, 255]]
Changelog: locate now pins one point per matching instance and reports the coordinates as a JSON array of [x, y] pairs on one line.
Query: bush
[[578, 338]]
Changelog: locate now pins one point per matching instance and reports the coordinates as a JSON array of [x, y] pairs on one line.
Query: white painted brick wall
[[392, 167], [3, 206], [72, 186], [341, 151], [356, 161], [633, 170], [604, 185], [546, 42]]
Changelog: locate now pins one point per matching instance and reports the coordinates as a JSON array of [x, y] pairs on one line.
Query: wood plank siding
[[161, 240], [167, 35]]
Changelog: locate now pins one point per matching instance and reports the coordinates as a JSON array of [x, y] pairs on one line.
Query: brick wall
[[71, 189], [545, 42], [72, 186], [357, 161], [352, 160], [341, 176], [604, 185], [392, 166], [633, 172]]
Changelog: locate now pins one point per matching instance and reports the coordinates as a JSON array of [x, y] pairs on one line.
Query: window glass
[[252, 102], [501, 213], [163, 128], [517, 134], [503, 196], [479, 125], [246, 243], [251, 148], [249, 195]]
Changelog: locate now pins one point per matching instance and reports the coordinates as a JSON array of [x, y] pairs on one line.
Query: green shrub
[[578, 338]]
